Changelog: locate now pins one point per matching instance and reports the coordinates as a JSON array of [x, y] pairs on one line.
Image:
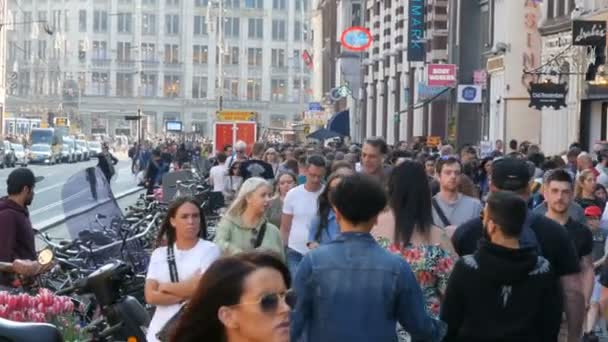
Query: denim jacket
[[351, 289]]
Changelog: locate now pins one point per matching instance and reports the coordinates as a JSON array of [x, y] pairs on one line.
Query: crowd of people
[[377, 243]]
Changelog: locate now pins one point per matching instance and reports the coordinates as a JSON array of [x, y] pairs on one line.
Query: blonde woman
[[585, 190], [272, 157], [244, 227]]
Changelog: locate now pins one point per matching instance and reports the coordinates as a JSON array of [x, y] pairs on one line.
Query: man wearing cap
[[549, 238], [17, 244]]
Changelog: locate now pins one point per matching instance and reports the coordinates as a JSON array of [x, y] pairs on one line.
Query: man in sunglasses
[[547, 236], [352, 289]]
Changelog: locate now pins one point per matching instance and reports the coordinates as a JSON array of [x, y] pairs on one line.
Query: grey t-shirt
[[462, 210]]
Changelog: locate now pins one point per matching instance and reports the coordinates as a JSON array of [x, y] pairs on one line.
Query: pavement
[[47, 209]]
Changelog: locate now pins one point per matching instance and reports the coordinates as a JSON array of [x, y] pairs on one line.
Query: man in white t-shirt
[[189, 263], [217, 174], [299, 209]]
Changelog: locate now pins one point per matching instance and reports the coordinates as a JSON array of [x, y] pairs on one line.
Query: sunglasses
[[269, 303]]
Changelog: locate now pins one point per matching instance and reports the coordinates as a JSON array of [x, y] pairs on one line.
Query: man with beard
[[17, 246], [559, 193]]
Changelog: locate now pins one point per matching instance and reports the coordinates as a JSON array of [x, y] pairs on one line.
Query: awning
[[340, 123], [323, 134]]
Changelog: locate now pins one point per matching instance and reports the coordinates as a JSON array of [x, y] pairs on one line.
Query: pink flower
[[13, 302], [40, 317], [3, 311], [3, 298], [16, 316], [424, 278]]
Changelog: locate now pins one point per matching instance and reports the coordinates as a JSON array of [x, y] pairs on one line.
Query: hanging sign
[[548, 94], [416, 50], [356, 38], [588, 32], [469, 93], [441, 75]]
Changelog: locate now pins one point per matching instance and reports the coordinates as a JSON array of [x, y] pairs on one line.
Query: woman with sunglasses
[[176, 268], [244, 227], [240, 298], [285, 182], [232, 182]]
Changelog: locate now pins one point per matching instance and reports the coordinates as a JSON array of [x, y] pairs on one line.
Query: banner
[[441, 75], [592, 32], [416, 51], [548, 94]]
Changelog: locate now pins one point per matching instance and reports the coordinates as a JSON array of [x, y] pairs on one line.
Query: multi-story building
[[104, 60], [387, 71], [3, 19]]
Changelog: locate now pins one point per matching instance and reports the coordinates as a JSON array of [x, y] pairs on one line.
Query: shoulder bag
[[165, 333]]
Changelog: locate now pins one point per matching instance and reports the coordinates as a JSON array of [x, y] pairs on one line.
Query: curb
[[57, 220]]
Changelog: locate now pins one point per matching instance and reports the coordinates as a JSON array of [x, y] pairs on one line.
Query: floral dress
[[432, 266]]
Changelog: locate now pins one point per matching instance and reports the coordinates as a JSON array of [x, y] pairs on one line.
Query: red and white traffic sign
[[441, 75]]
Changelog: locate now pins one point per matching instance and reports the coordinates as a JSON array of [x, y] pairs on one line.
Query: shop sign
[[588, 32], [441, 75], [356, 38], [480, 78], [548, 94], [416, 51], [495, 64], [427, 92], [469, 93], [234, 115]]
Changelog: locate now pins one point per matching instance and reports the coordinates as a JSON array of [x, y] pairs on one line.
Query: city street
[[47, 205]]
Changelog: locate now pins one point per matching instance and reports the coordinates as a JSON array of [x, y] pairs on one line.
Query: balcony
[[279, 69], [101, 62], [125, 64], [173, 66]]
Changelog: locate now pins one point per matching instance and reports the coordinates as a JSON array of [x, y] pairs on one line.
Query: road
[[48, 204]]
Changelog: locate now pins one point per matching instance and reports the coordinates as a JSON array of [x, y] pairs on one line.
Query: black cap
[[21, 177], [510, 174]]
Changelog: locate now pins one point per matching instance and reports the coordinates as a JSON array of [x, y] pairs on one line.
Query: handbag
[[164, 334]]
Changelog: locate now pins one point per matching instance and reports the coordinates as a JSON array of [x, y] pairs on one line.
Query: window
[[199, 87], [200, 54], [148, 85], [299, 31], [231, 55], [232, 3], [172, 2], [148, 23], [54, 82], [278, 58], [24, 83], [561, 8], [100, 84], [12, 50], [148, 2], [171, 54], [278, 89], [551, 9], [172, 86], [41, 49], [232, 27], [231, 89], [302, 5], [27, 19], [356, 15], [100, 50], [148, 52], [100, 21], [82, 50], [254, 57], [200, 25], [201, 3], [123, 51], [278, 30], [38, 83], [254, 3], [124, 84], [171, 24], [82, 20], [278, 4], [42, 17], [254, 89], [256, 28], [56, 20], [125, 23], [66, 21]]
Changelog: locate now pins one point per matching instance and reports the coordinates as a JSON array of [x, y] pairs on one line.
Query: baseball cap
[[23, 177], [593, 211], [510, 174]]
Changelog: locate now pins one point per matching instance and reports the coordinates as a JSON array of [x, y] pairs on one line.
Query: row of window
[[124, 85], [252, 4], [200, 53]]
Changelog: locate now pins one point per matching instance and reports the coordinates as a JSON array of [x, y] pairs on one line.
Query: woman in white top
[[182, 231]]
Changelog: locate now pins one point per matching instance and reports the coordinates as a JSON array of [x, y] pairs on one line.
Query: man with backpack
[[547, 236]]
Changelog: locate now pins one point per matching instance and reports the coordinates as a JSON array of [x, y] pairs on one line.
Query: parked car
[[67, 154], [71, 143], [2, 165], [42, 154], [9, 155], [94, 148], [21, 154], [84, 148]]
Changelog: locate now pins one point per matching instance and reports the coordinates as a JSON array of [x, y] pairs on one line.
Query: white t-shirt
[[303, 205], [190, 262], [218, 176]]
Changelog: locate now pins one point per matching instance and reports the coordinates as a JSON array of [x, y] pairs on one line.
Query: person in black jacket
[[503, 292], [106, 162]]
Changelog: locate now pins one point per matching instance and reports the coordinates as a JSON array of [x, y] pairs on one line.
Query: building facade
[[99, 61]]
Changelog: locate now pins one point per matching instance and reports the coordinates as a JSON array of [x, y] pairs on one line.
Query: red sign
[[480, 77], [441, 75], [356, 38]]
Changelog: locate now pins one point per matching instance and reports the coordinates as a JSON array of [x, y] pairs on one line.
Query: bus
[[47, 136]]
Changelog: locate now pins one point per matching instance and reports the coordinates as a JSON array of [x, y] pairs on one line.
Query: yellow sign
[[235, 115], [495, 64], [62, 122]]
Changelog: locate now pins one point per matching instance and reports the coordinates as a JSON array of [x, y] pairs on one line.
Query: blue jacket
[[329, 234], [351, 289]]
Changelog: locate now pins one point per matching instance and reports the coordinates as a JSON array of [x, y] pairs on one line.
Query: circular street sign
[[356, 38], [469, 93]]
